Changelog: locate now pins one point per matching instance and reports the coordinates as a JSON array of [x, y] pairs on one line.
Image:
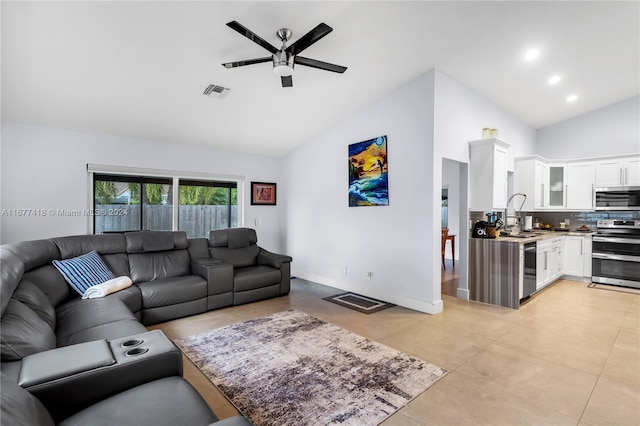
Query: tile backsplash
[[577, 219]]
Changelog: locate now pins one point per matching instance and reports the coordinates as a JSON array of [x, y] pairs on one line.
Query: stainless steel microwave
[[617, 198]]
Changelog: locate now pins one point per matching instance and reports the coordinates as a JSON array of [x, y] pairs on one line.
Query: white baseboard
[[574, 278], [431, 308], [462, 293]]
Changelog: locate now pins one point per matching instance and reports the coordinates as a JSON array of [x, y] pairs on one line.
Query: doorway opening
[[454, 217]]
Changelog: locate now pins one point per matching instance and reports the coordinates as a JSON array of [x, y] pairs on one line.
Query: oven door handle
[[616, 240], [616, 257]]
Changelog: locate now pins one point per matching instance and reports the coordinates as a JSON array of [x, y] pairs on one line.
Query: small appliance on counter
[[488, 228], [480, 230], [528, 223]]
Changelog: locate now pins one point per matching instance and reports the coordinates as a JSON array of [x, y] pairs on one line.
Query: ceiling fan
[[285, 58]]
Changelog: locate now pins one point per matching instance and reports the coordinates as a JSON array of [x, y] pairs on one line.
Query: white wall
[[46, 168], [611, 130], [325, 235], [460, 115], [400, 243]]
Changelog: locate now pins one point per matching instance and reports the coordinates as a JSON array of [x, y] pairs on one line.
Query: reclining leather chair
[[168, 401], [257, 273]]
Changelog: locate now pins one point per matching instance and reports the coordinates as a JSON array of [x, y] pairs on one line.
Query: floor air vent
[[217, 91], [359, 303]]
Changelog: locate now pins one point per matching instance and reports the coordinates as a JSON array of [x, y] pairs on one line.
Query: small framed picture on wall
[[263, 193]]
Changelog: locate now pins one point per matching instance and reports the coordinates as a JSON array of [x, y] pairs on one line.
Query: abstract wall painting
[[368, 181]]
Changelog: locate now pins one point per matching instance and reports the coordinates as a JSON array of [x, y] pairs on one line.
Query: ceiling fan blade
[[247, 62], [314, 63], [287, 81], [235, 25], [309, 38]]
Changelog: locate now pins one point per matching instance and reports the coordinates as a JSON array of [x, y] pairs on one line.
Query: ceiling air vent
[[217, 91]]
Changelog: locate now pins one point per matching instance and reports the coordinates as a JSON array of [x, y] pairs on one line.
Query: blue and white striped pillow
[[84, 271]]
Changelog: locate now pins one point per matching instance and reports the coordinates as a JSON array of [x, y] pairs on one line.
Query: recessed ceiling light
[[555, 79], [531, 55], [572, 98]]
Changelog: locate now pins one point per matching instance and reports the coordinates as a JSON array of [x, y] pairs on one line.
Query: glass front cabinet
[[556, 195]]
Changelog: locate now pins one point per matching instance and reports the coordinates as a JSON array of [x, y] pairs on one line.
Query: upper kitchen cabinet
[[554, 186], [616, 172], [488, 174], [530, 178], [557, 184], [580, 185]]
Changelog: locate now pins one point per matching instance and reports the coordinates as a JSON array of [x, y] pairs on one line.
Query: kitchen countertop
[[539, 236], [496, 270]]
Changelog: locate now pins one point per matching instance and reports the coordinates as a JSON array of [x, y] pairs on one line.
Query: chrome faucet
[[506, 226]]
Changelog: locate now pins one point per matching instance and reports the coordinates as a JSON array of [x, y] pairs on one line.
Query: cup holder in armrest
[[136, 351], [130, 343]]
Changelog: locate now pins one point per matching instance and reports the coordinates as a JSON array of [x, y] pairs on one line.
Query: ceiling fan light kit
[[285, 58], [283, 62]]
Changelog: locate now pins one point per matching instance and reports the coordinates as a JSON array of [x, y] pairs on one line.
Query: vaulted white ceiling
[[139, 68]]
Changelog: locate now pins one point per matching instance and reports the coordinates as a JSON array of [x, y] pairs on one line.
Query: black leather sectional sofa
[[92, 361]]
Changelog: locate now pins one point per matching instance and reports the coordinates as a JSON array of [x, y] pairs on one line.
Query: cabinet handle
[[626, 176], [543, 194], [566, 194], [621, 177]]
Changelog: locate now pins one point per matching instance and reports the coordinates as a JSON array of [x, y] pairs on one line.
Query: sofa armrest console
[[123, 363], [274, 260], [219, 274], [48, 366]]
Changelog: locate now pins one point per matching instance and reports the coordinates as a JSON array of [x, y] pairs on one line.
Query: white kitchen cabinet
[[577, 256], [555, 264], [632, 171], [586, 256], [570, 184], [615, 172], [555, 196], [530, 175], [580, 185], [549, 263], [609, 173], [488, 174], [554, 186], [542, 269]]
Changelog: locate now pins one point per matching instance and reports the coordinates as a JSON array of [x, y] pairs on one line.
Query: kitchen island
[[496, 266]]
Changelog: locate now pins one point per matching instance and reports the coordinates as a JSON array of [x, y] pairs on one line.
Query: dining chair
[[445, 234]]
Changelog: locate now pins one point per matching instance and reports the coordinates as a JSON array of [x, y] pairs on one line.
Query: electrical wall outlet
[[345, 270], [567, 222]]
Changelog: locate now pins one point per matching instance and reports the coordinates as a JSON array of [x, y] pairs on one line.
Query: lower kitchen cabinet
[[577, 256], [542, 269], [499, 267], [549, 261]]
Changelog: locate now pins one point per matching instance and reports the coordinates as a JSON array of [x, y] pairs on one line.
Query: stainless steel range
[[616, 253]]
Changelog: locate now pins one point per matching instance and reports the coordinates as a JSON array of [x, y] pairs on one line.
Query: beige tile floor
[[569, 356]]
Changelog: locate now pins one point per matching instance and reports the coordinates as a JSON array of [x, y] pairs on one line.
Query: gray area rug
[[291, 368]]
